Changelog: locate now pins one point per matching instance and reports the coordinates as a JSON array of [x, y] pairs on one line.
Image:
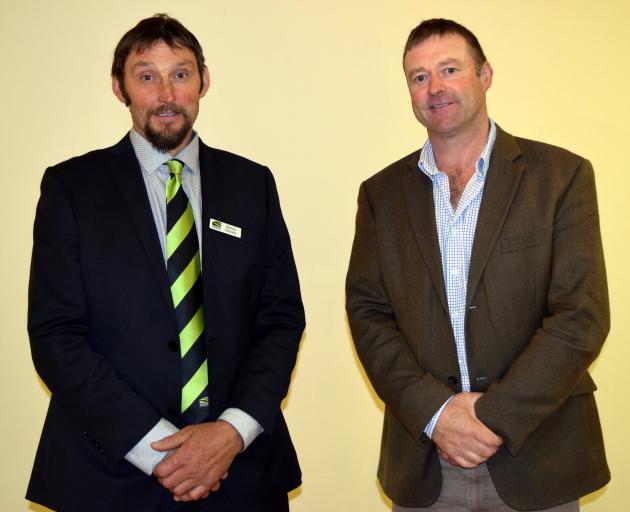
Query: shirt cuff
[[142, 455], [245, 425], [428, 430]]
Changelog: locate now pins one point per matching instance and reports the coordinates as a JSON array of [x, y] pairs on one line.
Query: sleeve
[[248, 428], [412, 394], [570, 336], [142, 455], [264, 377], [81, 380]]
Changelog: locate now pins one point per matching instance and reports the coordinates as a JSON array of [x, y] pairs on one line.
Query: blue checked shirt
[[456, 233]]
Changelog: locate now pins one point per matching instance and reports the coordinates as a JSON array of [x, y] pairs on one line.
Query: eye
[[146, 78], [181, 75], [450, 71], [420, 78]]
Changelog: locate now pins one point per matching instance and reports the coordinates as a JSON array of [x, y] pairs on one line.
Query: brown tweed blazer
[[537, 315]]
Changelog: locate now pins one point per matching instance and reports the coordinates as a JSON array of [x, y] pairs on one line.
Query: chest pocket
[[249, 235], [521, 242]]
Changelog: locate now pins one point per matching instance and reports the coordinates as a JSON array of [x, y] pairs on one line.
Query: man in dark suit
[[164, 308], [477, 300]]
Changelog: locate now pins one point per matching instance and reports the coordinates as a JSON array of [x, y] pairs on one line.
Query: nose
[[166, 92], [436, 85]]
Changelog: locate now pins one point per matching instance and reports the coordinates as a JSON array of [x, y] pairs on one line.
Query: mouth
[[167, 113], [439, 106]]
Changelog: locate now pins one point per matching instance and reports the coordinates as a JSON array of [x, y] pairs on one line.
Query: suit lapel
[[417, 191], [211, 185], [504, 175], [127, 175]]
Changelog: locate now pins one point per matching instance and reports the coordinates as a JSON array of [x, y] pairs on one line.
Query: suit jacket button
[[173, 345], [452, 380]]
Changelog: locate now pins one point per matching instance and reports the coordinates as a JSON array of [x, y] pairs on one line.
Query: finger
[[225, 475], [444, 456], [167, 467], [478, 452], [463, 463], [484, 435], [196, 493], [487, 438], [185, 487], [175, 478], [170, 442], [468, 461]]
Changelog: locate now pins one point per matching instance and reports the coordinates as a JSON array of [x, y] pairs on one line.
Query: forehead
[[436, 49], [160, 54]]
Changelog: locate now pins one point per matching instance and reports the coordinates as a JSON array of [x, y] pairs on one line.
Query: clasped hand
[[461, 438], [199, 458]]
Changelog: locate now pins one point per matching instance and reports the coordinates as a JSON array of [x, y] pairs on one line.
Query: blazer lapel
[[127, 175], [211, 185], [504, 175], [417, 191]]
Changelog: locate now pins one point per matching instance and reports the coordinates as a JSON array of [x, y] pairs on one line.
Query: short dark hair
[[441, 27], [149, 31]]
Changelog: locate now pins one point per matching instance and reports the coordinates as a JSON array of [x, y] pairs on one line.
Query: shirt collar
[[427, 159], [151, 159]]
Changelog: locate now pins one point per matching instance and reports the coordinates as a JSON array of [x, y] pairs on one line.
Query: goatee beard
[[168, 138]]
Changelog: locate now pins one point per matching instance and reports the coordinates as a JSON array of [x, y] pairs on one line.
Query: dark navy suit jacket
[[102, 325]]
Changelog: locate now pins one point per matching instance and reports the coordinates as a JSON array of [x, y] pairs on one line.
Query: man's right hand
[[461, 439]]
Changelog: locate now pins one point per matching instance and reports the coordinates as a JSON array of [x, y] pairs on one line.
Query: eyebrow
[[446, 62], [442, 63], [148, 64]]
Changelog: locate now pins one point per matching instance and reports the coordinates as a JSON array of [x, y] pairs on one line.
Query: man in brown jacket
[[477, 299]]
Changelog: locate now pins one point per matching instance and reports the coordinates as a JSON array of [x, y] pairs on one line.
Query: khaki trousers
[[472, 490]]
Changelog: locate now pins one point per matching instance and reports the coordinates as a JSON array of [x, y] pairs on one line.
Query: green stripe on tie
[[195, 386], [179, 231], [186, 280], [172, 186], [191, 332]]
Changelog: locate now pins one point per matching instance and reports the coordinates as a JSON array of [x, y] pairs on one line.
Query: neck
[[460, 151]]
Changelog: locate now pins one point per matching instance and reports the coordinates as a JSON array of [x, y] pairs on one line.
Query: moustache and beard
[[169, 138]]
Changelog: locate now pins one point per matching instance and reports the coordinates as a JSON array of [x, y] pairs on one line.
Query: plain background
[[313, 89]]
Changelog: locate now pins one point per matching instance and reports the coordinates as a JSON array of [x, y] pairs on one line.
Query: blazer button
[[173, 345], [452, 380]]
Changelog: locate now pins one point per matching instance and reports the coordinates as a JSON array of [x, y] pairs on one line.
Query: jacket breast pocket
[[521, 242], [249, 235]]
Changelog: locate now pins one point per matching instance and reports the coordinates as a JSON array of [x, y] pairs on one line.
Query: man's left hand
[[199, 459]]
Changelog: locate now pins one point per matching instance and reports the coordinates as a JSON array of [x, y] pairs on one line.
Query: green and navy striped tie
[[184, 275]]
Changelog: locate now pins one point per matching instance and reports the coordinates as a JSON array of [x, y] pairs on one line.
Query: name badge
[[224, 227]]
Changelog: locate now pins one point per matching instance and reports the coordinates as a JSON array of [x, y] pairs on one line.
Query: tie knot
[[175, 166]]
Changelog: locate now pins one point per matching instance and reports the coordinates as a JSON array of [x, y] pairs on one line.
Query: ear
[[486, 75], [118, 91], [205, 78]]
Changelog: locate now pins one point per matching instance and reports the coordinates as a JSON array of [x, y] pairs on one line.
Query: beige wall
[[313, 89]]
